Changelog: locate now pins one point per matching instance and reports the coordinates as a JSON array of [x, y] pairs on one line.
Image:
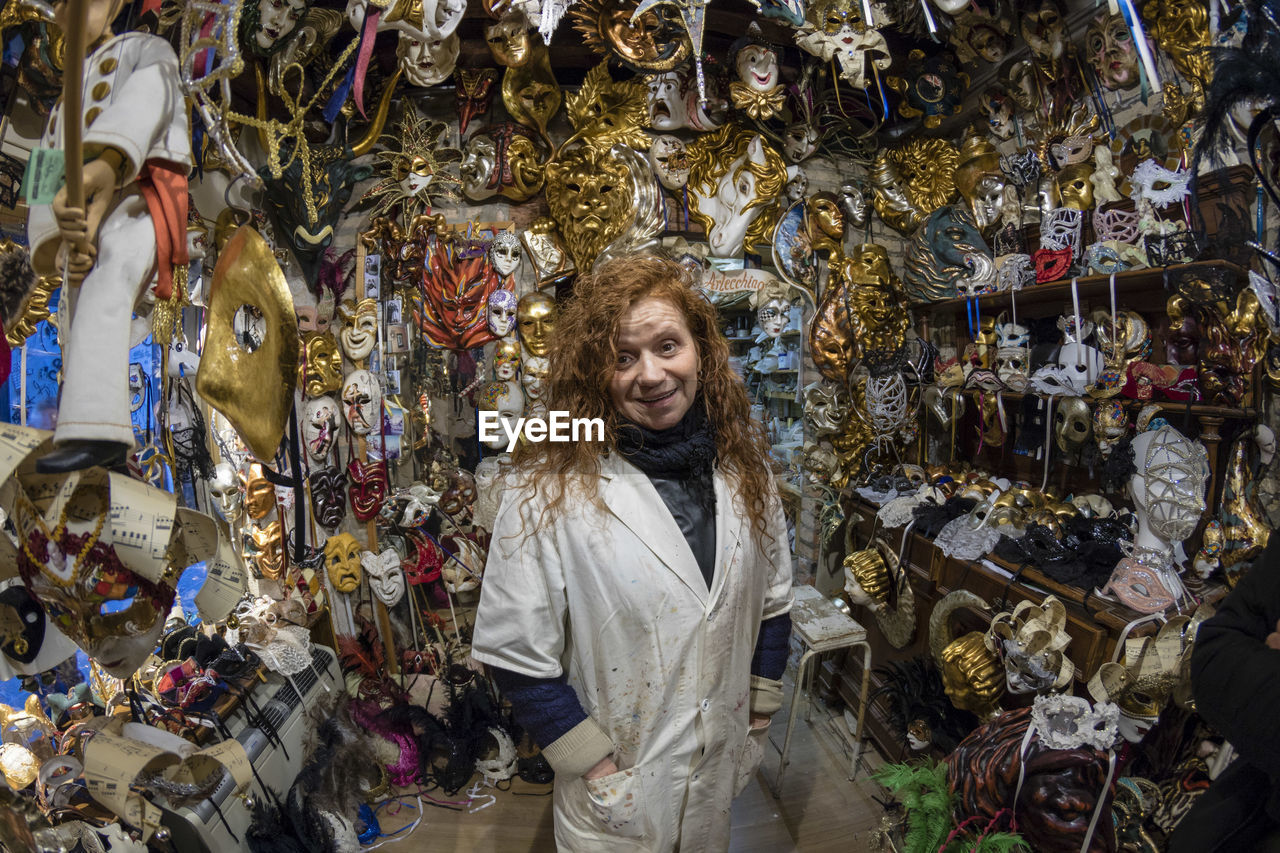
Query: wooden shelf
[[781, 395], [1087, 286], [1196, 409]]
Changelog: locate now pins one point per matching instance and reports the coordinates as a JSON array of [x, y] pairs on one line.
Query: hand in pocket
[[616, 801]]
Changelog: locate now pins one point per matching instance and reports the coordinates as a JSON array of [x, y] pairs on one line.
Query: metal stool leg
[[801, 672], [862, 709]]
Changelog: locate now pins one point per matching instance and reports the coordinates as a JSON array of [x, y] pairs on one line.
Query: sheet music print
[[142, 521], [224, 585], [16, 444]]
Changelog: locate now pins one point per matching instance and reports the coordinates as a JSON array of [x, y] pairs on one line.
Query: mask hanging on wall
[[342, 562], [836, 31], [319, 426], [362, 402], [735, 178], [932, 88], [386, 578], [652, 42], [320, 369], [474, 94], [248, 370]]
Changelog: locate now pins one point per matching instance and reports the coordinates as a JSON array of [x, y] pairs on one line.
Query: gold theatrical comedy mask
[[863, 308], [592, 200], [320, 371], [536, 318], [250, 363], [654, 43]]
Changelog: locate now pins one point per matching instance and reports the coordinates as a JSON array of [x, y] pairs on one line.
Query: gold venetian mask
[[509, 40], [249, 367], [654, 43], [342, 561], [268, 550], [590, 194], [536, 318], [1074, 186], [259, 494], [972, 674], [530, 91], [320, 371]]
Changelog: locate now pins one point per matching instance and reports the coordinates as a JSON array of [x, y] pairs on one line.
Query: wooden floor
[[819, 810]]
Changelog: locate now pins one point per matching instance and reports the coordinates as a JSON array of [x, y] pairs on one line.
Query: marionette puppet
[[120, 220]]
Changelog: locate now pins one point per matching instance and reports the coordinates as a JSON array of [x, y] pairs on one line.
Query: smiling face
[[656, 374], [479, 160], [758, 67]]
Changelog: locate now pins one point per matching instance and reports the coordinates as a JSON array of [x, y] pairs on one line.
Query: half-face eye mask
[[1163, 250], [1116, 224], [248, 370], [945, 405], [1071, 151], [1014, 272], [1061, 229], [461, 573], [342, 561], [1012, 334], [329, 497], [362, 402], [1158, 185], [1139, 587], [427, 560], [1052, 264], [1104, 259], [386, 578]]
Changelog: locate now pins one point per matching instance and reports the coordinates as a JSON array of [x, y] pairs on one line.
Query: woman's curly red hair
[[583, 356]]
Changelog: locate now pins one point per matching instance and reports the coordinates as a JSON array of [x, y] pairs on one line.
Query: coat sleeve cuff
[[766, 695], [578, 750]]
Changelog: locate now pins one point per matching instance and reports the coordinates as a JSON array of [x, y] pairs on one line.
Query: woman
[[635, 603]]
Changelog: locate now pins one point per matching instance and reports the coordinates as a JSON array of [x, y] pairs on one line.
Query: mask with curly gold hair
[[735, 178], [590, 194]]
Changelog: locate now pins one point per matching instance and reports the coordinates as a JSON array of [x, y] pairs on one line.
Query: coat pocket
[[752, 754], [618, 802]]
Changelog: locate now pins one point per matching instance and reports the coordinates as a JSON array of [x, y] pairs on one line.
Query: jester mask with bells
[[342, 562], [249, 368], [835, 30], [735, 178], [386, 578], [758, 91]]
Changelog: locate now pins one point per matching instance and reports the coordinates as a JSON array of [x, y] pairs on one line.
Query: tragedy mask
[[342, 561], [504, 254], [734, 181], [328, 496], [319, 426], [362, 402], [360, 329], [320, 370], [669, 158], [536, 317], [1109, 49], [386, 578], [502, 313], [425, 59], [248, 370]]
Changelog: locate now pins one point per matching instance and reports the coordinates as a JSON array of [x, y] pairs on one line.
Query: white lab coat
[[612, 596], [132, 102]]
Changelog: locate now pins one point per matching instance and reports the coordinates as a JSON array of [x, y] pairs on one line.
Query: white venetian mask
[[319, 426], [362, 402], [669, 159], [386, 578]]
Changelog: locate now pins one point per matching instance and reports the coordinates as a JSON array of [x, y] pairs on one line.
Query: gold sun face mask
[[250, 363]]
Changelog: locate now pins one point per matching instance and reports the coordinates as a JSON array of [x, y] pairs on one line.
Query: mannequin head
[[1167, 486]]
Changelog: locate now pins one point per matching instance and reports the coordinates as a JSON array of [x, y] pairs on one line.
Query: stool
[[820, 627]]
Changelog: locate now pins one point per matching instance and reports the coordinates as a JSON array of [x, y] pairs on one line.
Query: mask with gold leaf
[[536, 318], [861, 310], [320, 370], [505, 159], [735, 178], [360, 328], [342, 561], [266, 550], [971, 673], [259, 494], [654, 41], [530, 91], [590, 194], [248, 370]]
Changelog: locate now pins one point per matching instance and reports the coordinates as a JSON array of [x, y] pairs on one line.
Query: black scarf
[[685, 451]]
